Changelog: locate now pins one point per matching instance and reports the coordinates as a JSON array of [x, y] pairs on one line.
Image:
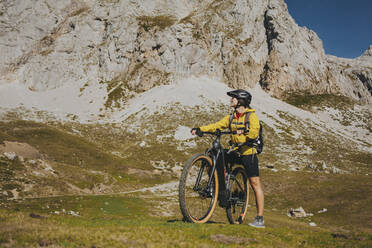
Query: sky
[[344, 26]]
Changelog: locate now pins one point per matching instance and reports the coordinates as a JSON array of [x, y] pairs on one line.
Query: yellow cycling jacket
[[254, 128]]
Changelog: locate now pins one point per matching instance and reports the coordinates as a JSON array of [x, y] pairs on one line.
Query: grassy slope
[[75, 160], [78, 151], [122, 221]]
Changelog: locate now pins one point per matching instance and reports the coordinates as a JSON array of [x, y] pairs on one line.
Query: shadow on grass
[[185, 221]]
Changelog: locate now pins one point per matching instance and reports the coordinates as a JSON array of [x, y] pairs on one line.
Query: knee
[[255, 182]]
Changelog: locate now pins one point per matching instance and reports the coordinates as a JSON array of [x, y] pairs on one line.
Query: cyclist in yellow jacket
[[240, 101]]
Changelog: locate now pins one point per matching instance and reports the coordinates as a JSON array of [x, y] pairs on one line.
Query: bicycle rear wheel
[[239, 196], [197, 200]]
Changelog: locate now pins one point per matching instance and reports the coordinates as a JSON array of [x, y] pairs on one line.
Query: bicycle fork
[[223, 178], [200, 174], [201, 171]]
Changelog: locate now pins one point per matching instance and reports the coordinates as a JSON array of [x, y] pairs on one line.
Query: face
[[233, 102]]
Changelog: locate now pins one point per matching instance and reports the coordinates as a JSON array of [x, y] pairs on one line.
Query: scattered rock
[[318, 166], [37, 216], [47, 167], [15, 194], [10, 155], [339, 235], [312, 224], [44, 243], [73, 213], [224, 239], [322, 211], [336, 170], [298, 213], [312, 167], [183, 133], [324, 166]]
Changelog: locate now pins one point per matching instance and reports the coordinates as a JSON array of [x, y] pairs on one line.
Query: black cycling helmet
[[241, 94]]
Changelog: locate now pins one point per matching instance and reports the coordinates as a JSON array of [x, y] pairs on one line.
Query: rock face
[[297, 62], [354, 75], [296, 59], [130, 46]]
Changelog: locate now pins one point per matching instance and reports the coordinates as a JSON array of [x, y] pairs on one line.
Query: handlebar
[[219, 132], [235, 146]]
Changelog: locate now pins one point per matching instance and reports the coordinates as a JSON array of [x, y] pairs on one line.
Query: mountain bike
[[200, 184]]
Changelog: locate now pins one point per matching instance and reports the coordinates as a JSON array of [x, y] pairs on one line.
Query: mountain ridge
[[122, 48]]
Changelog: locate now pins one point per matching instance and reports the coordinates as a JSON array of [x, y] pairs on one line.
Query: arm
[[222, 124]]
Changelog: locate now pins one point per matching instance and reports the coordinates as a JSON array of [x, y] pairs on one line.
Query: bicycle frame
[[232, 192], [217, 154]]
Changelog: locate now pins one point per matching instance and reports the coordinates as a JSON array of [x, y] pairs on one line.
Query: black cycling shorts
[[250, 163]]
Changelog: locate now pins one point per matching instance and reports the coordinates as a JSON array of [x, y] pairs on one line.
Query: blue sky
[[344, 26]]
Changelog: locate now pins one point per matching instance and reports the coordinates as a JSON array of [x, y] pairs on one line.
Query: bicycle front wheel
[[197, 199], [239, 196]]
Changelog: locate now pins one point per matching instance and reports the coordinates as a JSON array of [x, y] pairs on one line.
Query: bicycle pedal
[[240, 220]]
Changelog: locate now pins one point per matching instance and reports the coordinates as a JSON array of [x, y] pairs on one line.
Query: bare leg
[[257, 187]]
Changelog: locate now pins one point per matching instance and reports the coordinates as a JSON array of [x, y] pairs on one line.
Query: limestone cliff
[[354, 75], [129, 46]]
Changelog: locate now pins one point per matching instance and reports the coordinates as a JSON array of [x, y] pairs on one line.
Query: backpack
[[258, 143]]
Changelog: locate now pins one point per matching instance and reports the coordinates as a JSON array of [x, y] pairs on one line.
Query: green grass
[[8, 170], [119, 221], [60, 146], [123, 87], [161, 22], [307, 101], [343, 195], [76, 160], [86, 155], [118, 90]]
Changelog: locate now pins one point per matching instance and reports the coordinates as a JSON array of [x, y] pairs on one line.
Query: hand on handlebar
[[197, 131]]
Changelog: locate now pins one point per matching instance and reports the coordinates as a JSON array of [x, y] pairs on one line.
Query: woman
[[244, 132]]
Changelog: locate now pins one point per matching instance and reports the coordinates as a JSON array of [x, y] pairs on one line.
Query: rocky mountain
[[97, 99], [99, 54], [354, 74], [297, 63]]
